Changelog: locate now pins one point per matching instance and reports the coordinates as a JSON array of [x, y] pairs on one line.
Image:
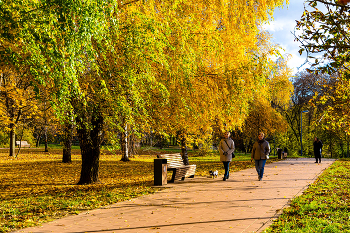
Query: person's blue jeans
[[259, 165], [227, 169]]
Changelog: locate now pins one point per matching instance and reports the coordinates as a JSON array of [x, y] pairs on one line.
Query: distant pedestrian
[[317, 149], [279, 153], [260, 153], [285, 152], [226, 148]]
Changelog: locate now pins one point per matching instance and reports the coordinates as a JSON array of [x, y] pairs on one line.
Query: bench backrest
[[173, 160], [22, 142]]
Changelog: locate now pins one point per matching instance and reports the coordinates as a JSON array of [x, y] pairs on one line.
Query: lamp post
[[301, 131]]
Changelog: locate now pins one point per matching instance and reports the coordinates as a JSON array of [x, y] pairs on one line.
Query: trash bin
[[279, 153], [160, 171]]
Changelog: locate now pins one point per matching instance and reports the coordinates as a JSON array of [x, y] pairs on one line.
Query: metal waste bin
[[160, 171]]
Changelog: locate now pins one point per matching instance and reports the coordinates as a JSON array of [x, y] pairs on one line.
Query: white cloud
[[274, 26], [282, 29]]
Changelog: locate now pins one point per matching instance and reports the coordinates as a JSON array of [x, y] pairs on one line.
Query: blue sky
[[281, 29]]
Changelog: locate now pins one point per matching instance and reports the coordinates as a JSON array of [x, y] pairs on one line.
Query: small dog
[[213, 174]]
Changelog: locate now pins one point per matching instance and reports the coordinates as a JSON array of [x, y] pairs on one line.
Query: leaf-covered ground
[[37, 187], [323, 207]]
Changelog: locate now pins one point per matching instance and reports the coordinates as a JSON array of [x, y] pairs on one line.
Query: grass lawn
[[56, 146], [323, 207], [37, 187]]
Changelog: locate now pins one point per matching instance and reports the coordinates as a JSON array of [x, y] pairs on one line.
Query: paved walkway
[[240, 204]]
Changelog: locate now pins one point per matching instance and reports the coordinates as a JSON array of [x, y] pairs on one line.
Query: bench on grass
[[22, 144], [177, 166]]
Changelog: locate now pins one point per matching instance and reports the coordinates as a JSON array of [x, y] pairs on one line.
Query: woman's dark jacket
[[317, 148], [260, 150]]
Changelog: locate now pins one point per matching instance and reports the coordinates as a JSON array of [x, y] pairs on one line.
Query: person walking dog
[[260, 153], [226, 149], [317, 149]]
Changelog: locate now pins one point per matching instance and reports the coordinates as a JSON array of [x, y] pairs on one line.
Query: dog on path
[[213, 174]]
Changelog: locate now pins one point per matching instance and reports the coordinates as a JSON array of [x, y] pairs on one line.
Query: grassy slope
[[323, 207]]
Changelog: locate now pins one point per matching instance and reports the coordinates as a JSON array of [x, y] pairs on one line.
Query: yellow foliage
[[17, 98], [279, 85], [337, 114], [216, 66]]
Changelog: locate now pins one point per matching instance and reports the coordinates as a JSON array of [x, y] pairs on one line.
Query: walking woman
[[260, 152], [226, 148], [317, 149]]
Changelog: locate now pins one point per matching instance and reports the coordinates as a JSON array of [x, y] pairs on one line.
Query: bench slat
[[175, 164]]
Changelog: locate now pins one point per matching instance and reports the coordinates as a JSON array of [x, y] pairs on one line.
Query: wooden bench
[[22, 144], [177, 166]]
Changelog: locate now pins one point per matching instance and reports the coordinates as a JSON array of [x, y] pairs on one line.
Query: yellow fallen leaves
[[37, 187], [40, 173]]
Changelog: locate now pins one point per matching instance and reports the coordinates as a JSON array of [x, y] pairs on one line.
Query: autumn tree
[[325, 38], [306, 86], [331, 114], [54, 33], [268, 105], [312, 92], [325, 33], [214, 71], [18, 105], [131, 63], [70, 61], [194, 71]]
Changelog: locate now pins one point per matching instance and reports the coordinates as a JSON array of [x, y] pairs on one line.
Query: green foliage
[[323, 207], [4, 138], [56, 146]]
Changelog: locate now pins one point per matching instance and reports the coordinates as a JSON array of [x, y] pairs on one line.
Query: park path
[[239, 204]]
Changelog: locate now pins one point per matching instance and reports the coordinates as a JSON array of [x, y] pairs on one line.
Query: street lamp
[[301, 131]]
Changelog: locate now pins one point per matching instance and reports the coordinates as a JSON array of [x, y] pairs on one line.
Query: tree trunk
[[13, 133], [45, 126], [125, 145], [184, 153], [37, 144], [331, 144], [46, 149], [90, 163], [67, 142], [90, 138], [12, 140]]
